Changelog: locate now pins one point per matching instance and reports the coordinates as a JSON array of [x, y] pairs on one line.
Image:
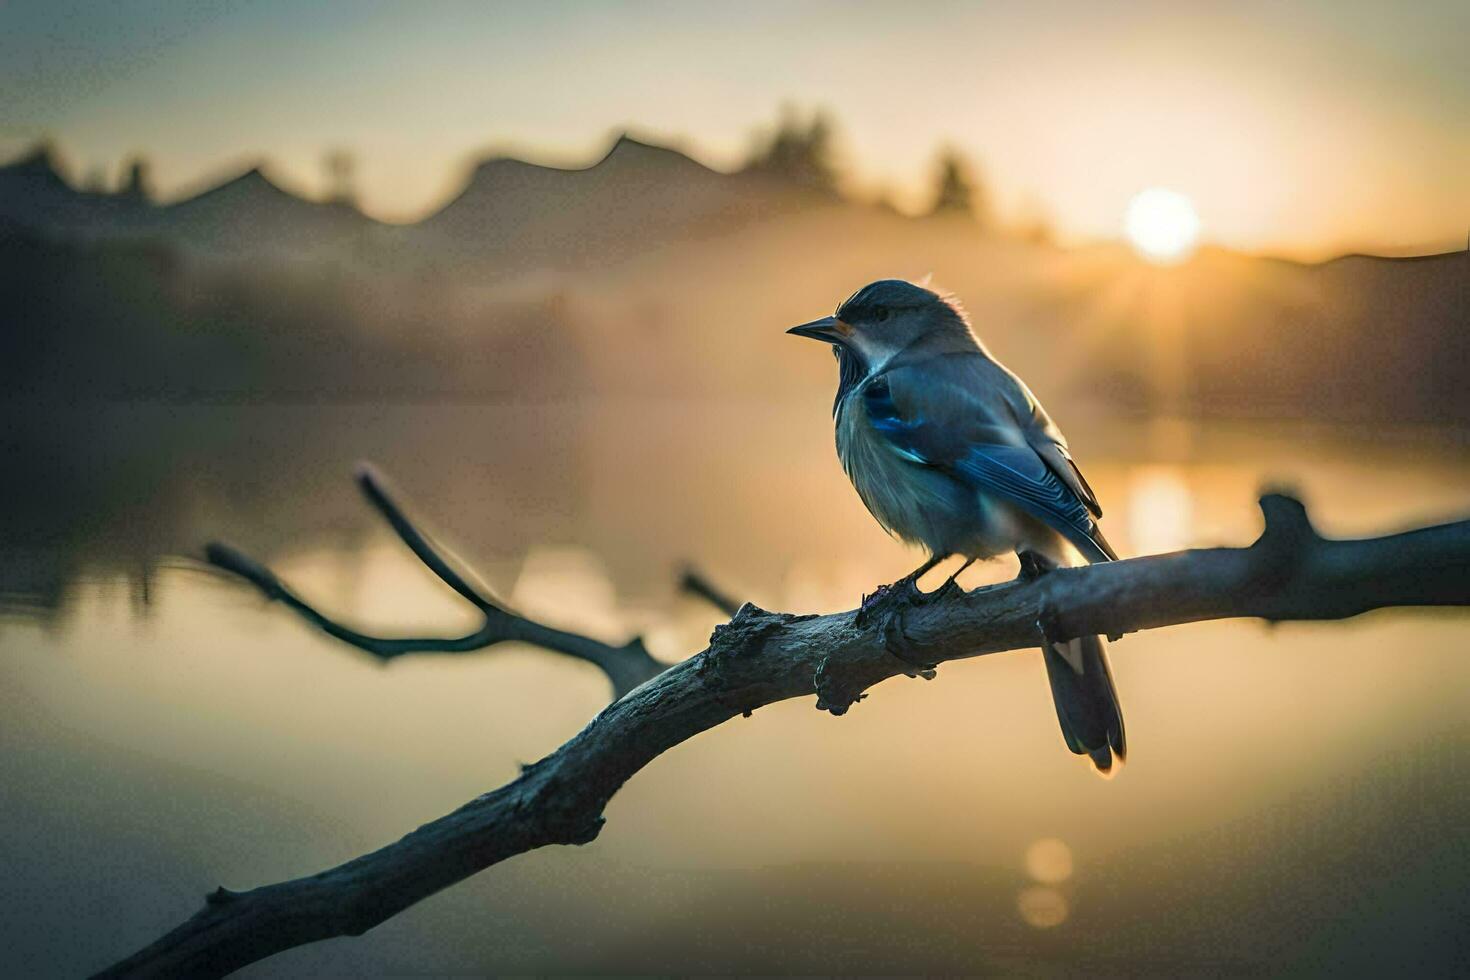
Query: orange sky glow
[[1304, 129]]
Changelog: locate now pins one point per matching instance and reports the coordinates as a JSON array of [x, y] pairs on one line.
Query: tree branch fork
[[626, 666], [761, 657]]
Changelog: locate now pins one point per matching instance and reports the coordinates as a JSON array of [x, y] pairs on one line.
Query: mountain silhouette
[[638, 195], [34, 196], [511, 215], [518, 282], [245, 216], [250, 215]]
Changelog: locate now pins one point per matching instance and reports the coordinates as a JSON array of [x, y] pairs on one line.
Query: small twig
[[696, 584], [377, 494], [626, 666]]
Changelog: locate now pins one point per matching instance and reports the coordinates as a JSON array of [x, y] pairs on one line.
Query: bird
[[950, 450]]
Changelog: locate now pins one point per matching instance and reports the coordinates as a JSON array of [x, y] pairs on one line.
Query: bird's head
[[888, 316]]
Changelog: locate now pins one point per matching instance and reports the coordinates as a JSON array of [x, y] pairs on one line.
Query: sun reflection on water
[[1042, 907], [1049, 860], [1160, 509]]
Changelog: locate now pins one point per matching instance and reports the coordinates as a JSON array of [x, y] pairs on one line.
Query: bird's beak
[[828, 329]]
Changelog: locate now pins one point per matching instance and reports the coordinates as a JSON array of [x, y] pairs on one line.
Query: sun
[[1162, 225]]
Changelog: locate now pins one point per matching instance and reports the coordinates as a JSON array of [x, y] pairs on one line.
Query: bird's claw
[[873, 603], [880, 602], [1033, 565], [885, 610], [949, 590]]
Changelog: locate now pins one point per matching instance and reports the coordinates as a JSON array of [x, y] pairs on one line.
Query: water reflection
[[1042, 907], [208, 738], [1160, 511], [1049, 860], [568, 585], [99, 496]]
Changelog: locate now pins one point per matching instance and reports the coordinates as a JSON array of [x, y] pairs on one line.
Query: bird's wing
[[1043, 435], [955, 413]]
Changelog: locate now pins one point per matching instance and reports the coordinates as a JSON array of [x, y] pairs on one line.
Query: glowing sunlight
[[1162, 225]]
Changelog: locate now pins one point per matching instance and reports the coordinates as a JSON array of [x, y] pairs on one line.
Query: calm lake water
[[1295, 798]]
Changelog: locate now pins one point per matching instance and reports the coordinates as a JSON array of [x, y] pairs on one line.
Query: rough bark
[[760, 657]]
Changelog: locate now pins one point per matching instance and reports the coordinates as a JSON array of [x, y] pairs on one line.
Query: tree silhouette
[[959, 190], [800, 151], [341, 170], [137, 180]]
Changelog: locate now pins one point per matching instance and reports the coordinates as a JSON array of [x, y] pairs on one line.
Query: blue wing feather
[[1018, 474], [1015, 473], [885, 417]]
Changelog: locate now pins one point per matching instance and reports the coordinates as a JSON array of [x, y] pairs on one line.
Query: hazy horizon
[[1065, 110]]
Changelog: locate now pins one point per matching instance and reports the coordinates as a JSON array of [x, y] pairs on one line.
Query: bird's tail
[[1087, 702]]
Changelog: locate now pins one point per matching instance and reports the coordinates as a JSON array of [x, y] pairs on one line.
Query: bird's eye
[[880, 314]]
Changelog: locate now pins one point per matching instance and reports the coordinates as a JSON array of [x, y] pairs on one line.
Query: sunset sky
[[1304, 128]]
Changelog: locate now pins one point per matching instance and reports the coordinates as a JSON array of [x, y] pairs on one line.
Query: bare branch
[[626, 666], [697, 585], [372, 486], [384, 648], [761, 657]]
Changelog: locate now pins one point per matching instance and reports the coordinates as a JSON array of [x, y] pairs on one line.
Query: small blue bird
[[950, 450]]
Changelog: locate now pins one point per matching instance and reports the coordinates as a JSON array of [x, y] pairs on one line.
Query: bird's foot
[[882, 601], [885, 610], [1034, 565], [951, 587]]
